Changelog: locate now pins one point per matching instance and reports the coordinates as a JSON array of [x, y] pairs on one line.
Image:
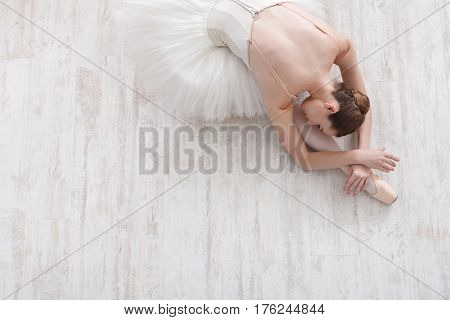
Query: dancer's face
[[317, 114]]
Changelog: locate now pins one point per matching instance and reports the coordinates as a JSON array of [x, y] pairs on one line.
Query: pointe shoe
[[384, 192]]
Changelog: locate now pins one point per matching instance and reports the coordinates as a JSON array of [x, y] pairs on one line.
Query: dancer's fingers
[[353, 186], [391, 156], [390, 162], [349, 182], [391, 167], [360, 186], [382, 167], [388, 167]]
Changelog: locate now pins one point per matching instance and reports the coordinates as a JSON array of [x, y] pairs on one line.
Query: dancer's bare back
[[291, 52]]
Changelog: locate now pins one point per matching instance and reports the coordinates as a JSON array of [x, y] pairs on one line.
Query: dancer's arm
[[283, 122], [347, 62], [351, 74]]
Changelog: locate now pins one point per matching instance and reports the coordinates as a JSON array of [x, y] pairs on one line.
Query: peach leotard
[[284, 46]]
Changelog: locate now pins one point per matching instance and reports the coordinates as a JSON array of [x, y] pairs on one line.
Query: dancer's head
[[340, 116]]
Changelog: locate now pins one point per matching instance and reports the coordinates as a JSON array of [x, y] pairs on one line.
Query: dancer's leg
[[319, 141]]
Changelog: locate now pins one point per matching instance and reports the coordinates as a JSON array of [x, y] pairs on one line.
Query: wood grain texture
[[69, 149]]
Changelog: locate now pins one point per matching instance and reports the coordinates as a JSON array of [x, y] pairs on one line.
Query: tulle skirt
[[198, 81]]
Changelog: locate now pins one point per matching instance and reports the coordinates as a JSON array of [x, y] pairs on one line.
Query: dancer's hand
[[357, 179], [377, 159]]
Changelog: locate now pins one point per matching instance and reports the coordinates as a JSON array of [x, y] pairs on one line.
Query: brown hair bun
[[362, 101]]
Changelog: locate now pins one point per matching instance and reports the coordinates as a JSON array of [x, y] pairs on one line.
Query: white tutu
[[169, 43]]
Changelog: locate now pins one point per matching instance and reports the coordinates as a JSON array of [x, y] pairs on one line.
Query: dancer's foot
[[383, 191]]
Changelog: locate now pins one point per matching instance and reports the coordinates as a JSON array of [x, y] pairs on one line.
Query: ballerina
[[226, 58]]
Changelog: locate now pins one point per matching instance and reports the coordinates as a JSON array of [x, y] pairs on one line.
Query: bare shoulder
[[343, 42]]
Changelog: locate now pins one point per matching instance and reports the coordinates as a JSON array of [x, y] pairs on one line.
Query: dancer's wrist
[[356, 156]]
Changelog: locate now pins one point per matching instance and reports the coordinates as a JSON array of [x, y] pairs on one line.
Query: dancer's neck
[[324, 92]]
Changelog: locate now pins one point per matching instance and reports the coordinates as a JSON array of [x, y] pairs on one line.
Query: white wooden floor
[[69, 150]]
